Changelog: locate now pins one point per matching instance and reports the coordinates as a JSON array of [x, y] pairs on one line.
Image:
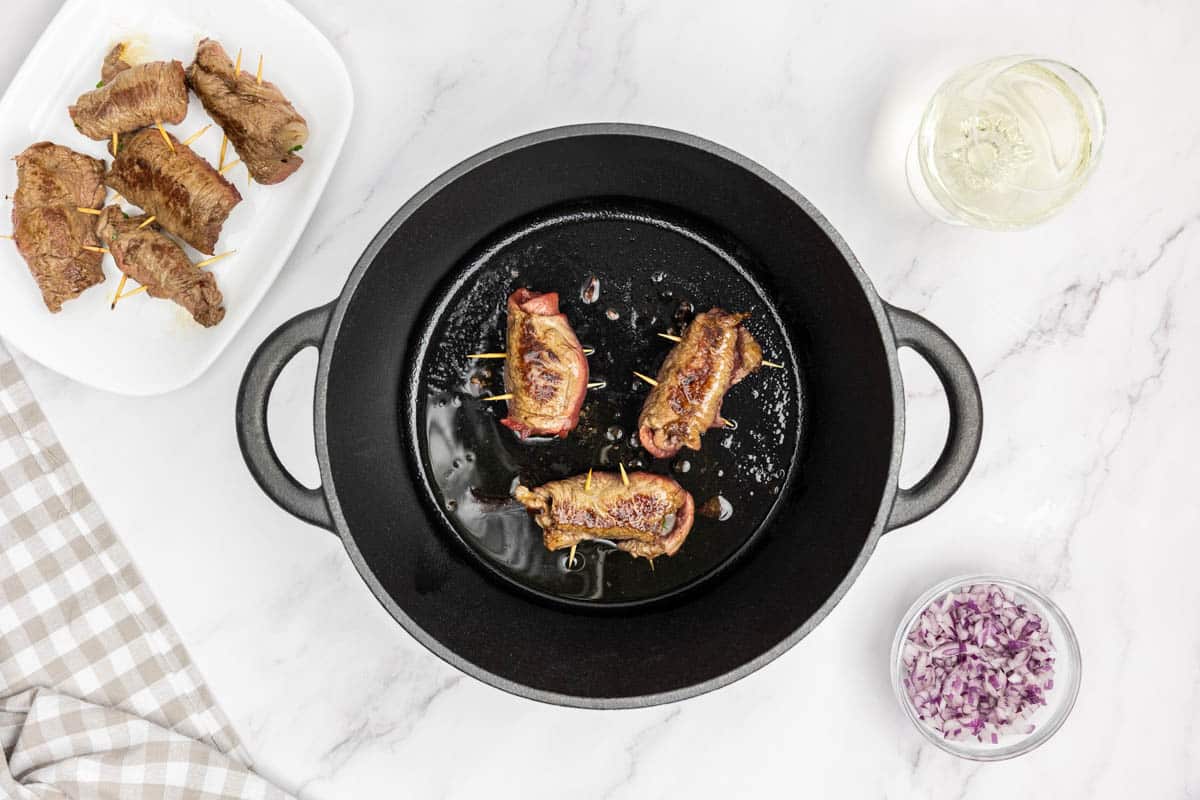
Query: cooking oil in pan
[[656, 273]]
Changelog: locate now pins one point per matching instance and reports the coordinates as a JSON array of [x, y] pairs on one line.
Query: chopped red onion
[[978, 663]]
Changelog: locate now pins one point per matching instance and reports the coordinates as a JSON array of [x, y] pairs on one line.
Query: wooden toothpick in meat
[[188, 141], [214, 259], [166, 138], [120, 288], [646, 378]]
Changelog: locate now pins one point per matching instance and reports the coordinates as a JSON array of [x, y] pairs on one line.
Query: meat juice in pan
[[624, 273]]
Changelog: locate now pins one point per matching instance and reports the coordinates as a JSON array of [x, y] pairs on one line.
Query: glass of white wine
[[1006, 143]]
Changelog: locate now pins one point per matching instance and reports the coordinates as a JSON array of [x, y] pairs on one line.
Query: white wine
[[1006, 143]]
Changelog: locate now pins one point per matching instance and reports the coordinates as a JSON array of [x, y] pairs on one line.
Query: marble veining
[[1085, 333]]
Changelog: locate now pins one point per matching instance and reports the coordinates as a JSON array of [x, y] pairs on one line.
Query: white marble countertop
[[1085, 333]]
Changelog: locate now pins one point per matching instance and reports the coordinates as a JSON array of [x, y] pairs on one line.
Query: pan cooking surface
[[624, 271]]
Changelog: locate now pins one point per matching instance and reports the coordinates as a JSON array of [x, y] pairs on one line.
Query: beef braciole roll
[[156, 262], [545, 370], [715, 353], [264, 128], [113, 63], [187, 196], [53, 182], [650, 517], [133, 98]]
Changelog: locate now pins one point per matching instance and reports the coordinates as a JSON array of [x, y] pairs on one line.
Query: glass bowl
[[1059, 700]]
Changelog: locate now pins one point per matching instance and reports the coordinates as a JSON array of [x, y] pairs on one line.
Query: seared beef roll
[[133, 98], [187, 196], [650, 517], [716, 352], [546, 370], [53, 182], [265, 129], [156, 262]]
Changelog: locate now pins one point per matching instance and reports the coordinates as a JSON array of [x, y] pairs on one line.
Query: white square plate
[[149, 346]]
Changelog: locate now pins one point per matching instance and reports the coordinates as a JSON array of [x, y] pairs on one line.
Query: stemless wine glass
[[1006, 143]]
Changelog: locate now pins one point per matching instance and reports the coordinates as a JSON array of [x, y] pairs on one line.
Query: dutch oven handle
[[966, 417], [305, 330]]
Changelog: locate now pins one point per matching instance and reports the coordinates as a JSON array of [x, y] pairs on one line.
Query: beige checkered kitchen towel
[[98, 698]]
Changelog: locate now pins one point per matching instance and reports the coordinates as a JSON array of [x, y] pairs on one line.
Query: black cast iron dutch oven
[[637, 228]]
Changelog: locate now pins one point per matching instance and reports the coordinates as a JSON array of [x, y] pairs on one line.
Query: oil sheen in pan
[[624, 272]]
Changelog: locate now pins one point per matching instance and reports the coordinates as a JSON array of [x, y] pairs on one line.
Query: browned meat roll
[[546, 370], [113, 63], [264, 128], [156, 262], [716, 352], [650, 517], [52, 183], [187, 196], [133, 98]]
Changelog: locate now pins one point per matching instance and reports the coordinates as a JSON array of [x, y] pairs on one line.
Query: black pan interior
[[824, 516], [625, 271]]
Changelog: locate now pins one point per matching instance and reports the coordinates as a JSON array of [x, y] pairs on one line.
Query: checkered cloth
[[98, 698]]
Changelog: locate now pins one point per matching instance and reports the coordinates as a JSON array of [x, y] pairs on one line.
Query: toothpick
[[571, 555], [258, 78], [95, 249], [730, 424], [646, 378], [229, 166], [166, 138], [587, 485], [488, 355], [6, 236], [772, 364], [197, 134], [138, 290], [624, 476], [507, 396], [115, 144], [120, 288], [587, 351], [671, 337], [214, 259], [147, 221], [597, 385], [93, 211], [238, 66]]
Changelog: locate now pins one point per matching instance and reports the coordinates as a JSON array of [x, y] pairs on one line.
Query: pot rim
[[329, 342]]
